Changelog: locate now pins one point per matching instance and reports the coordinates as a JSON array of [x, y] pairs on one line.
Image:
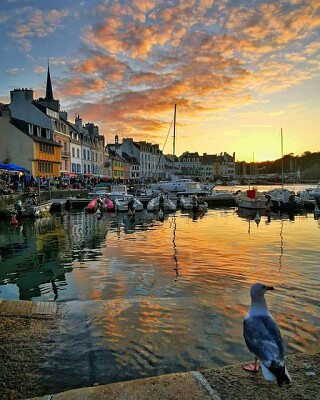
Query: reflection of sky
[[125, 298]]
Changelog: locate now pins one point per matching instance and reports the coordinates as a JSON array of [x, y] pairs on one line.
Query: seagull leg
[[252, 367]]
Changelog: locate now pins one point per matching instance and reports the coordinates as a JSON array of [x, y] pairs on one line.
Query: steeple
[[49, 93]]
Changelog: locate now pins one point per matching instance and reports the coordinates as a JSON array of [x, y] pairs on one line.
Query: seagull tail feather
[[281, 373]]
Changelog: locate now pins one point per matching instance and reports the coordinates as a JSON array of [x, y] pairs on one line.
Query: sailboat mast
[[281, 158], [174, 130], [174, 138]]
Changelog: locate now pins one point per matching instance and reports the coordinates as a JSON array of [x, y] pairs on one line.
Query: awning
[[13, 167]]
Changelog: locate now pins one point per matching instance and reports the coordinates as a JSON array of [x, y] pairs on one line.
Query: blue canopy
[[13, 167]]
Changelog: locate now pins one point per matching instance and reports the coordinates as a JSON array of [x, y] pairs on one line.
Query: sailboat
[[179, 184], [251, 199], [282, 199]]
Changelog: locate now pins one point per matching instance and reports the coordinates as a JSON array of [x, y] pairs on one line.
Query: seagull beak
[[270, 288]]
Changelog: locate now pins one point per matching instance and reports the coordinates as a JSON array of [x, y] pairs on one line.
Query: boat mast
[[174, 137], [281, 158]]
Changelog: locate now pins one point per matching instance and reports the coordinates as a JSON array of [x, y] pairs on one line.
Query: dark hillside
[[308, 164]]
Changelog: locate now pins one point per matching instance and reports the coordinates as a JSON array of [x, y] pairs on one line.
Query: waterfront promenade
[[26, 328]]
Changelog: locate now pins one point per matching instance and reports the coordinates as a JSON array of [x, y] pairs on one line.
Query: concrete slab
[[233, 382], [30, 309], [167, 387]]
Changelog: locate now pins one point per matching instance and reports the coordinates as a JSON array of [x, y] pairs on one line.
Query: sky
[[238, 71]]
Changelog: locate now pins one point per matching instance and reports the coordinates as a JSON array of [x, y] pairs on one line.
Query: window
[[78, 153], [73, 152]]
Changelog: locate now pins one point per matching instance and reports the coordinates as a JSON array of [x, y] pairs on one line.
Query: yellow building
[[24, 144], [118, 166], [46, 158]]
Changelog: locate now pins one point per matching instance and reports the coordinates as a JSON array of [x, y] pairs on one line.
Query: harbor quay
[[77, 199], [26, 326]]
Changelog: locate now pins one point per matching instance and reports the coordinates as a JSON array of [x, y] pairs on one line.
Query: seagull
[[263, 338]]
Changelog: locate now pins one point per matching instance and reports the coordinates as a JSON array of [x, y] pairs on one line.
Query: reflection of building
[[85, 231], [35, 260]]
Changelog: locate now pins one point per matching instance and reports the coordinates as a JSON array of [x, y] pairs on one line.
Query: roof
[[23, 127]]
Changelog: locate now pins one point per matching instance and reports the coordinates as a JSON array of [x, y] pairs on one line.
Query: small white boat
[[118, 191], [121, 203], [251, 199], [315, 192], [309, 201], [29, 208], [99, 192], [192, 188], [284, 200], [177, 184], [155, 202], [192, 202], [221, 194]]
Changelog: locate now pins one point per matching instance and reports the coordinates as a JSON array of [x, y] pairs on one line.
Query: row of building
[[37, 135]]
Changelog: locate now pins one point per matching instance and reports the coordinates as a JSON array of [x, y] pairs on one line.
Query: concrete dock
[[24, 325], [229, 383]]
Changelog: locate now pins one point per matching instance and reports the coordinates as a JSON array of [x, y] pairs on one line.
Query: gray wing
[[263, 339]]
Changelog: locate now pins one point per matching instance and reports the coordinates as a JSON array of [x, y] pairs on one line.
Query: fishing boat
[[251, 199]]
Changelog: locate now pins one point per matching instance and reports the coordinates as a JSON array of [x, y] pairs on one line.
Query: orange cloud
[[142, 57]]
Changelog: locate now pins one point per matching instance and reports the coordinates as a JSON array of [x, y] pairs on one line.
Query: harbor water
[[144, 297]]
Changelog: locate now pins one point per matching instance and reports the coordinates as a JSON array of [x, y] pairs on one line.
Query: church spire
[[49, 93]]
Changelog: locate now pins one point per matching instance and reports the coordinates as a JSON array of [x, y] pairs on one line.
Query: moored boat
[[30, 208], [251, 199], [192, 202], [163, 202], [98, 203], [284, 200], [123, 203], [176, 184]]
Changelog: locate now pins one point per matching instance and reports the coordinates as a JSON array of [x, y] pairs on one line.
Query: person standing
[[131, 210]]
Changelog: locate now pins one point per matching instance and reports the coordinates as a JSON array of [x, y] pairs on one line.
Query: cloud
[[80, 86], [209, 57], [14, 71], [39, 70], [36, 23]]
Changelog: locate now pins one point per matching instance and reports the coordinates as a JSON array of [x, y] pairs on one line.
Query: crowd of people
[[23, 182]]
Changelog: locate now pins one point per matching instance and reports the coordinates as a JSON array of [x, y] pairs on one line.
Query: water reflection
[[144, 297], [36, 255], [281, 245], [175, 253]]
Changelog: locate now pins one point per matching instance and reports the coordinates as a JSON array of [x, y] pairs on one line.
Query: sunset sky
[[239, 71]]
